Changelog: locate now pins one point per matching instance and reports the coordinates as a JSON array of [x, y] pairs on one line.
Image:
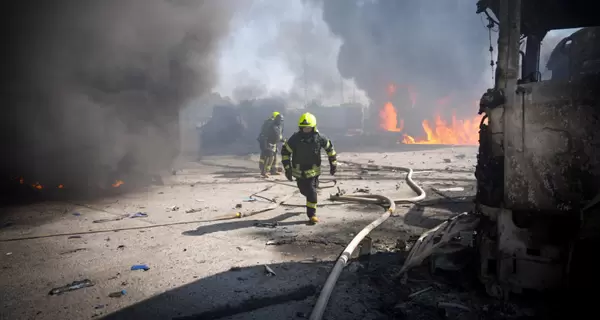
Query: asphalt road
[[216, 269]]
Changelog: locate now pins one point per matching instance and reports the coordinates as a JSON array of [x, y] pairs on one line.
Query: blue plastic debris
[[140, 267], [139, 215], [249, 199], [77, 214]]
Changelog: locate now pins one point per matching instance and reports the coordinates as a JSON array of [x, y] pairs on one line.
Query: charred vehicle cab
[[538, 169]]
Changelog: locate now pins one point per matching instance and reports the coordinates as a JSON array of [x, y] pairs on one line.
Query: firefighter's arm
[[286, 153], [331, 154]]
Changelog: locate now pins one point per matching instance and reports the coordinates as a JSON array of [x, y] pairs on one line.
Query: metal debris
[[73, 251], [436, 239], [117, 294], [139, 215], [194, 210], [266, 224], [452, 189], [453, 305], [75, 285], [414, 294], [269, 271]]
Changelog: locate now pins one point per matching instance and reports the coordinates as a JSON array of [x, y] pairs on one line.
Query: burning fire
[[457, 132], [38, 186], [439, 131], [389, 118], [117, 183]]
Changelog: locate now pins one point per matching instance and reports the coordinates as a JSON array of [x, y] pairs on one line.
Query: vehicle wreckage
[[538, 171]]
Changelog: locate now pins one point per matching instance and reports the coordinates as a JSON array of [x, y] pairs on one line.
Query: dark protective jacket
[[302, 154], [270, 132]]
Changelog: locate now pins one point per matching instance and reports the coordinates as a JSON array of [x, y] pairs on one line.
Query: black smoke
[[437, 46], [92, 89]]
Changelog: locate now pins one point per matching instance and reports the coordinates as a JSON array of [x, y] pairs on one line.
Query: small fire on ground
[[38, 186], [118, 183], [437, 130]]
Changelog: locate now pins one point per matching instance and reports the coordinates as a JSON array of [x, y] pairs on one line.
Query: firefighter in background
[[301, 158], [270, 135]]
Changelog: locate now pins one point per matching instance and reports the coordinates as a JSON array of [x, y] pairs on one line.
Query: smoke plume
[[94, 87], [437, 48], [284, 49]]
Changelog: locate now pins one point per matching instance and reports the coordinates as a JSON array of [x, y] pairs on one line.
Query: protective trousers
[[308, 188], [268, 158]]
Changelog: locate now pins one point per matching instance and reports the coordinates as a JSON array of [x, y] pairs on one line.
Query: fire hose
[[319, 308]]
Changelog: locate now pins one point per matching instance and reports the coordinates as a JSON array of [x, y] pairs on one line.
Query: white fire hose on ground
[[319, 308]]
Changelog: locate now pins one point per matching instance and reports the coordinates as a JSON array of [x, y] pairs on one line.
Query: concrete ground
[[206, 269]]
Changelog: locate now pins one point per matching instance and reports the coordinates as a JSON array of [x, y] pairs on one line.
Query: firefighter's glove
[[332, 170], [288, 174]]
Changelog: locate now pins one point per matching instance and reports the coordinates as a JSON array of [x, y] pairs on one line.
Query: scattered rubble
[[269, 271], [73, 251], [451, 189], [266, 225], [75, 285], [117, 294], [139, 215]]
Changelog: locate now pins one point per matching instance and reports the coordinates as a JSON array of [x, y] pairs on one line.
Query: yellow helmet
[[307, 120], [275, 114]]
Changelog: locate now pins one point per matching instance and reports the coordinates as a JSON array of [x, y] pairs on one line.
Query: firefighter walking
[[270, 135], [301, 158]]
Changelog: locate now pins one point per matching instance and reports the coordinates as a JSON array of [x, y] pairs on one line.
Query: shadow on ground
[[242, 224], [368, 289], [289, 294]]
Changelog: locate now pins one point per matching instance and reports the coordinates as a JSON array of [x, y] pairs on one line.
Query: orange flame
[[21, 180], [60, 186], [389, 118], [38, 186], [458, 132], [117, 183], [440, 131]]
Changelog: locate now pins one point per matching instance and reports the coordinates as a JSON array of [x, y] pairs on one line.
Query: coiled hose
[[319, 308]]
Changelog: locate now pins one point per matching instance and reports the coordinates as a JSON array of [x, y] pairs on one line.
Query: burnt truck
[[538, 166], [538, 170]]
